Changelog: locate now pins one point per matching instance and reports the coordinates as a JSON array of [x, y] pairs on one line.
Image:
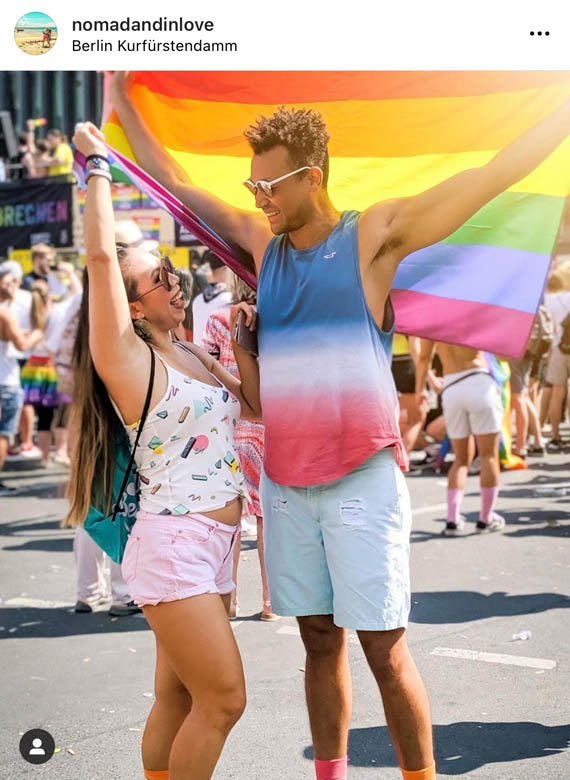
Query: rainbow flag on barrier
[[149, 227], [393, 134], [125, 198]]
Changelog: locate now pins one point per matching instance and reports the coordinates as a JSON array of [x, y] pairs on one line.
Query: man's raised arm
[[433, 215], [236, 226]]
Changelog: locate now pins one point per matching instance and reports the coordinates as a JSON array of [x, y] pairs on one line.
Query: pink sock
[[454, 499], [335, 769], [488, 500]]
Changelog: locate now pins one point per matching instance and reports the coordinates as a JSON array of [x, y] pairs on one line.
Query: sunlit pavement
[[499, 704]]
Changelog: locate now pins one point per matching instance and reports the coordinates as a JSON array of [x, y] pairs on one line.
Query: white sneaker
[[249, 526], [475, 467], [497, 524], [31, 453]]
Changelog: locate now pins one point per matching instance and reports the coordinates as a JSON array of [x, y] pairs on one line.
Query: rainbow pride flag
[[393, 134], [501, 373], [125, 198]]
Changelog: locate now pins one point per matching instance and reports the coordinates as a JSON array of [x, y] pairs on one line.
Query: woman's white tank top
[[9, 367], [186, 458]]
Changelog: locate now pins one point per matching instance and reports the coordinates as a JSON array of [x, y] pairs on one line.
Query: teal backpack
[[111, 532]]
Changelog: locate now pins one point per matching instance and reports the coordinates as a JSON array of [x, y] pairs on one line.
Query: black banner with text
[[36, 211]]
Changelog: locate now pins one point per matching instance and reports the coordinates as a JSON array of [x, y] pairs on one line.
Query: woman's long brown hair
[[95, 429]]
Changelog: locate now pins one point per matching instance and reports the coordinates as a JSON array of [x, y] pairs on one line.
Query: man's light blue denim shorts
[[341, 548], [11, 403]]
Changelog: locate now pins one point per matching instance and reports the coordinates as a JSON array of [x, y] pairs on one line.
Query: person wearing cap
[[19, 302], [11, 394]]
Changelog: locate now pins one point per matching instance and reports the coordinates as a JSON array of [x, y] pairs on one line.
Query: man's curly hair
[[301, 130]]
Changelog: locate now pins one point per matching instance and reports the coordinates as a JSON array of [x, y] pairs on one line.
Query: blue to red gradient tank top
[[329, 400]]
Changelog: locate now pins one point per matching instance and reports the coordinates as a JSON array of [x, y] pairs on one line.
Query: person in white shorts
[[472, 406], [557, 303]]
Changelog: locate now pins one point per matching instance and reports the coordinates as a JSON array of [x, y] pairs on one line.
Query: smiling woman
[[178, 557]]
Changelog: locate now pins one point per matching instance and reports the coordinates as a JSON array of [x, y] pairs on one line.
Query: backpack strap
[[139, 431]]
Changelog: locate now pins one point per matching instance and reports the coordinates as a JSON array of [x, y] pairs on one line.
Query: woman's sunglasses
[[166, 268]]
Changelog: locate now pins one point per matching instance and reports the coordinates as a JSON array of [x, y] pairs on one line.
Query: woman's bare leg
[[202, 652], [172, 705]]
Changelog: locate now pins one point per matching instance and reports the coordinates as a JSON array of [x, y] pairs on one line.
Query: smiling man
[[336, 507]]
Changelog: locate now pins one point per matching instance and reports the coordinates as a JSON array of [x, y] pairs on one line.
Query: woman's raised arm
[[112, 340]]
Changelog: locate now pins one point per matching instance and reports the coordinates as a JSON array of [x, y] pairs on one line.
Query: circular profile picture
[[35, 33]]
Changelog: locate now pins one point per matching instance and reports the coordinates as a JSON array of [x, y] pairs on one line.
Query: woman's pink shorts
[[168, 558]]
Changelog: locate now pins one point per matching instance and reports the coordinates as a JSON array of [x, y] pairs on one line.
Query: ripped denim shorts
[[341, 548]]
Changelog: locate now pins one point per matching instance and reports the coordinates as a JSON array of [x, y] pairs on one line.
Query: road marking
[[352, 637], [41, 603], [424, 510], [494, 658], [535, 486]]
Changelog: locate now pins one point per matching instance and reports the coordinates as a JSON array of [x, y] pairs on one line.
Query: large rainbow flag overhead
[[393, 134]]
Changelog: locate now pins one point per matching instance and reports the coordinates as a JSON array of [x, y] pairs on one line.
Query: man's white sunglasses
[[267, 186]]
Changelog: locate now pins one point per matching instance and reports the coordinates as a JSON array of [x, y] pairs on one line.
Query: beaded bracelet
[[98, 172]]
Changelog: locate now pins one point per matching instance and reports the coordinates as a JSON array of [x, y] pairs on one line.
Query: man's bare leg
[[545, 398], [555, 409], [518, 401], [328, 685], [403, 694]]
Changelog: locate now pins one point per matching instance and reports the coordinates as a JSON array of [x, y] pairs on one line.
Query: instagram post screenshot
[[284, 391]]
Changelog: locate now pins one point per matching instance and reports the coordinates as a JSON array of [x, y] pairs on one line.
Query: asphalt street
[[500, 705]]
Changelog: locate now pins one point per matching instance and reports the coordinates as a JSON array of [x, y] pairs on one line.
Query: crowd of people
[[469, 420], [217, 433], [39, 158]]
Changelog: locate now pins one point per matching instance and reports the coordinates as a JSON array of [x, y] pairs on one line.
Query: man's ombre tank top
[[328, 396]]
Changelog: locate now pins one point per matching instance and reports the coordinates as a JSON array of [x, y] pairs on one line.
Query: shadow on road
[[518, 524], [464, 746], [534, 465], [25, 524], [51, 622], [462, 606]]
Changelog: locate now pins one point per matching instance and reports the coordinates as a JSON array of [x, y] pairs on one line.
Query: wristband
[[97, 162], [98, 172]]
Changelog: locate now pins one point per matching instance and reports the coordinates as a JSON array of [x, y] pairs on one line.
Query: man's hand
[[435, 382], [250, 317], [422, 401], [435, 214], [120, 85]]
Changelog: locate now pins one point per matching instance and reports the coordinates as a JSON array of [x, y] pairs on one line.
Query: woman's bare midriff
[[229, 514]]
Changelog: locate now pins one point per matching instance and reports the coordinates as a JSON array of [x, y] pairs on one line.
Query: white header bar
[[295, 35]]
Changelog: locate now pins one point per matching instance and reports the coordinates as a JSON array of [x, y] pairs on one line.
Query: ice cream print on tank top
[[186, 458]]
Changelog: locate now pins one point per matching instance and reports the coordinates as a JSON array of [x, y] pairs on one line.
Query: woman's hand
[[250, 316], [90, 140]]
